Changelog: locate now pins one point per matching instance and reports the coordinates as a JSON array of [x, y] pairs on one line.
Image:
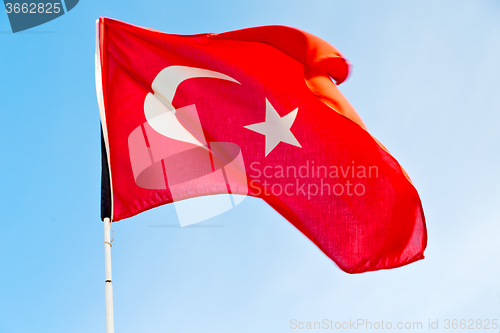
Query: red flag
[[251, 112]]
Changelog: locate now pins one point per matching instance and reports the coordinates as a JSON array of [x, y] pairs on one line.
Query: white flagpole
[[108, 289]]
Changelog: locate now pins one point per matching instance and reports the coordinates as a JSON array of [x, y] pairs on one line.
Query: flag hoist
[[108, 288]]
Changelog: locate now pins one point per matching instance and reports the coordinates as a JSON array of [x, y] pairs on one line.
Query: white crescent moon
[[158, 108]]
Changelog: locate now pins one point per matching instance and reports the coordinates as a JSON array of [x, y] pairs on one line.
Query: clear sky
[[425, 79]]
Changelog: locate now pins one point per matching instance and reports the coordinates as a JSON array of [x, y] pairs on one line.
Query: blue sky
[[425, 81]]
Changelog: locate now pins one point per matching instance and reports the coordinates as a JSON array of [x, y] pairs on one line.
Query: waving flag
[[252, 112]]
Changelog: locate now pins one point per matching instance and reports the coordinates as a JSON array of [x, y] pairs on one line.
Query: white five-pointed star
[[276, 129]]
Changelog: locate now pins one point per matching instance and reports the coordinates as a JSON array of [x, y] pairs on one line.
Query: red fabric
[[382, 228]]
